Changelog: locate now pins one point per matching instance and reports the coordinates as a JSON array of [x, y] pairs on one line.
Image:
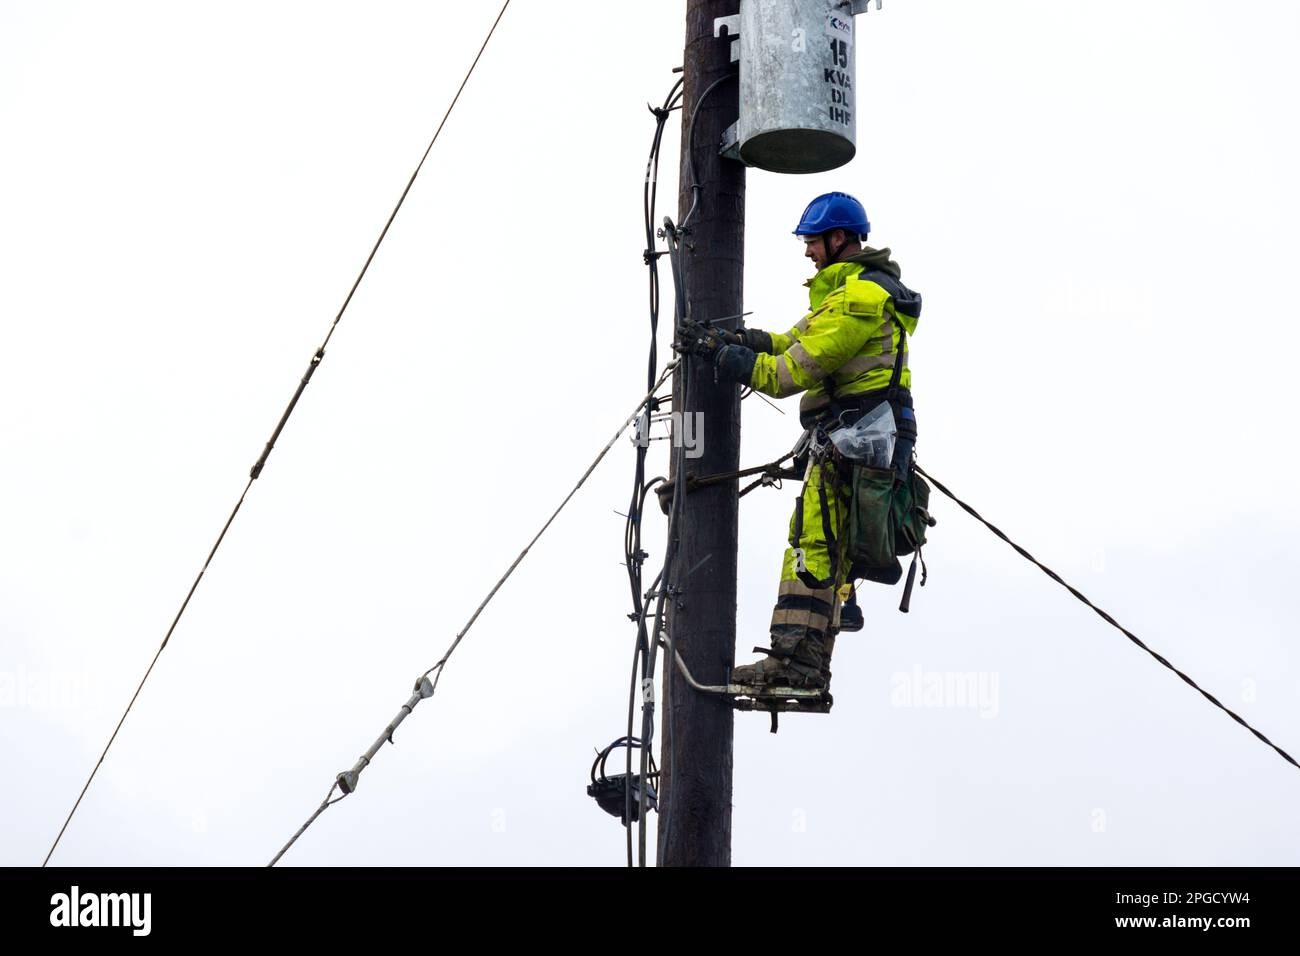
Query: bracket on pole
[[731, 142], [773, 700], [731, 27]]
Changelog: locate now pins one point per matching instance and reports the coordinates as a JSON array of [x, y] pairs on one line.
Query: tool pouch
[[871, 532], [910, 511], [888, 518]]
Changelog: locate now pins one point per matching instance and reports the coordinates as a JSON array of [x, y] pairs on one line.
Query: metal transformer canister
[[797, 87]]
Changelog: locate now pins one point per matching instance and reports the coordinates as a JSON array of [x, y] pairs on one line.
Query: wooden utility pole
[[695, 789]]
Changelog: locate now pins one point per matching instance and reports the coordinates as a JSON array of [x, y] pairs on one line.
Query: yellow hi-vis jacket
[[849, 339]]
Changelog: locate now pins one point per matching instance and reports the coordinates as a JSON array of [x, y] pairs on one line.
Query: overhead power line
[[1106, 617], [256, 470], [424, 688]]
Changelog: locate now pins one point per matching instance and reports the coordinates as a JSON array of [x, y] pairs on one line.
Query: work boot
[[799, 657]]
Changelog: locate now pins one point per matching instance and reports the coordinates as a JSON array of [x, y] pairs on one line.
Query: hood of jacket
[[832, 277]]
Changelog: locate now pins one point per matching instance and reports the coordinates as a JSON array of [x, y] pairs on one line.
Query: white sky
[[1097, 202]]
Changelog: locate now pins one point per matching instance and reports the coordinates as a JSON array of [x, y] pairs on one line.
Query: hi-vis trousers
[[797, 603]]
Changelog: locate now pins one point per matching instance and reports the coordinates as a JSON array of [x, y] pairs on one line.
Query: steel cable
[[440, 666], [1104, 616], [256, 470]]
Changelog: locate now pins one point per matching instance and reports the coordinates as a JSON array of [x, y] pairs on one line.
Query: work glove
[[734, 363], [756, 340], [709, 339], [696, 339]]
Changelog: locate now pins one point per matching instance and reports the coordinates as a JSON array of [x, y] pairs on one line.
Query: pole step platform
[[779, 700], [773, 700]]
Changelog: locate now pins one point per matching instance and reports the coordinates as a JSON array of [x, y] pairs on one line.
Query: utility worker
[[844, 357]]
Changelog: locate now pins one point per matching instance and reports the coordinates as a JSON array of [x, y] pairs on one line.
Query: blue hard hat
[[833, 211]]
